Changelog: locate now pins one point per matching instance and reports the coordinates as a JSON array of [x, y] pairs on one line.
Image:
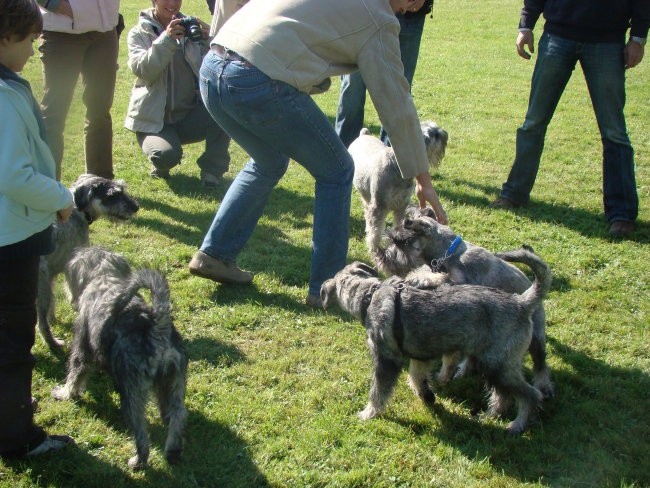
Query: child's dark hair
[[19, 18]]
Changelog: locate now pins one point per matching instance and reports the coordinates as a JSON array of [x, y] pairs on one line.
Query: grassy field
[[273, 386]]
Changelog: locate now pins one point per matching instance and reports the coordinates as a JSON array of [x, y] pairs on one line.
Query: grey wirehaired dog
[[422, 240], [403, 322], [94, 197], [379, 181], [136, 343]]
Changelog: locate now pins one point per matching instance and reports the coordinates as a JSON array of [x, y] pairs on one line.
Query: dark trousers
[[18, 286]]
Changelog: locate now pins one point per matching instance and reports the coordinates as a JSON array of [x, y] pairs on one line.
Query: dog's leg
[[171, 395], [448, 368], [537, 350], [499, 402], [78, 367], [133, 400], [45, 307], [527, 397], [419, 376], [375, 225], [385, 375], [399, 214]]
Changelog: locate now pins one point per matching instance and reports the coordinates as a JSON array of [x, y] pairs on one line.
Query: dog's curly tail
[[543, 276], [156, 283]]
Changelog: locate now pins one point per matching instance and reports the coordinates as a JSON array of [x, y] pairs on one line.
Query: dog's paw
[[427, 396], [135, 463], [368, 413], [173, 456], [61, 393], [515, 428]]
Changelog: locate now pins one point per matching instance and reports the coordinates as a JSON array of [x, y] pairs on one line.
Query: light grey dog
[[422, 240], [380, 183], [403, 322], [136, 343], [94, 197]]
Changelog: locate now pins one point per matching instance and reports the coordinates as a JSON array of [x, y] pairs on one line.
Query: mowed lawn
[[274, 387]]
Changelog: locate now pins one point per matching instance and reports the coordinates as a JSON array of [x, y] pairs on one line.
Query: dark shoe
[[217, 270], [621, 228], [162, 173], [313, 301], [50, 444], [505, 203], [210, 180]]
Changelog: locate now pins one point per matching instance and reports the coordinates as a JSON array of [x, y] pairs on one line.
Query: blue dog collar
[[453, 246], [437, 263]]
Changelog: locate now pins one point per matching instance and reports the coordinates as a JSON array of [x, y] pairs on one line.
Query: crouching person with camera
[[165, 110]]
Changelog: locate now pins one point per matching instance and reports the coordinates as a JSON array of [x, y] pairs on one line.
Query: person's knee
[[165, 157]]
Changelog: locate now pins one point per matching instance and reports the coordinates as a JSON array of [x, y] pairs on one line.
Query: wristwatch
[[639, 40]]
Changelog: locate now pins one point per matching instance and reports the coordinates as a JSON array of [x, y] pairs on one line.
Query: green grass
[[273, 386]]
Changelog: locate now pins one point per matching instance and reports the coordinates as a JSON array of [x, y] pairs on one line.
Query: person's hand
[[525, 38], [205, 29], [175, 30], [64, 214], [425, 193], [633, 54]]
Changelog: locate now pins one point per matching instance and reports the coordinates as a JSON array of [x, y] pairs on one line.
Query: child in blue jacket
[[30, 200]]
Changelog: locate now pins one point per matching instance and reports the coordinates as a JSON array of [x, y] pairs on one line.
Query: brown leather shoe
[[621, 228], [217, 270], [505, 203]]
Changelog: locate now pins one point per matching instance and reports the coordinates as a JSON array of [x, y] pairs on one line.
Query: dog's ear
[[327, 290], [427, 212], [81, 196]]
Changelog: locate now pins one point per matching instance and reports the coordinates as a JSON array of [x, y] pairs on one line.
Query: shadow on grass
[[213, 455], [584, 222], [594, 432]]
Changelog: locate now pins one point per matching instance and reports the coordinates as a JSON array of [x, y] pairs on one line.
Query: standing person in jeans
[[352, 100], [592, 32], [256, 81], [165, 110], [80, 38], [30, 200]]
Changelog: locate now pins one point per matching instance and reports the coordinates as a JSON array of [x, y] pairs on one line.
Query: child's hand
[[64, 214]]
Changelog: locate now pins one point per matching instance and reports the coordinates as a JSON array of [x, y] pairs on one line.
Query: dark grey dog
[[422, 240], [136, 343], [380, 183], [403, 322], [94, 197]]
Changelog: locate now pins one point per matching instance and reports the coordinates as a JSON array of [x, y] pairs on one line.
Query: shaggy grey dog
[[403, 322], [136, 343], [422, 240], [380, 183], [94, 197]]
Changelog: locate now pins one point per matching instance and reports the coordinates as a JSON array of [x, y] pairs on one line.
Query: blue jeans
[[272, 122], [349, 115], [604, 70]]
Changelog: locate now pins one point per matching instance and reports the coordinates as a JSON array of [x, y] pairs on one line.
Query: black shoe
[[621, 228]]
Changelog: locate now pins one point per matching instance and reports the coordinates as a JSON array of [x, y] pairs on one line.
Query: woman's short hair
[[19, 18]]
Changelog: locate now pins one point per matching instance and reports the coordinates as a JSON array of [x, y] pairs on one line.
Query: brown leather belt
[[225, 53]]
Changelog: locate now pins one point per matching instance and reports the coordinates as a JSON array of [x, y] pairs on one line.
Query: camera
[[192, 27]]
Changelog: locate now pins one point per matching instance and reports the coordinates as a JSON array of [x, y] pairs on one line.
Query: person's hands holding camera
[[175, 30]]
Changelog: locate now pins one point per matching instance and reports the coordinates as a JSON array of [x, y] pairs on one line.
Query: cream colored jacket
[[87, 16], [305, 42]]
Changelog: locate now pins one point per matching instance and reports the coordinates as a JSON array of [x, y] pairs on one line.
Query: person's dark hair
[[19, 18]]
